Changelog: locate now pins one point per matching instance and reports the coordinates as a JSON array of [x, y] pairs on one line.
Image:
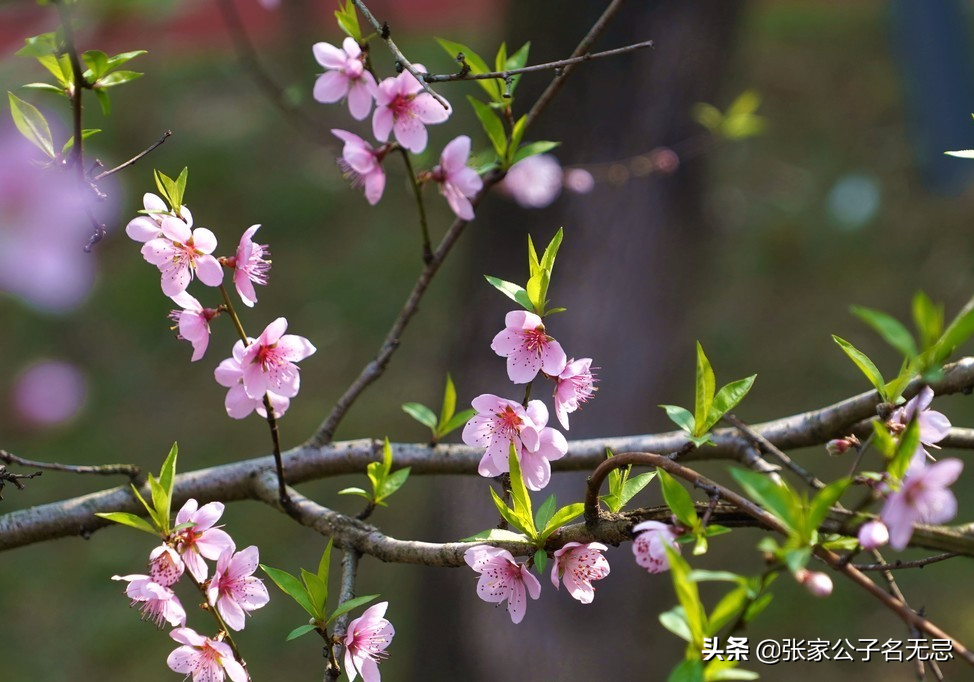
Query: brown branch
[[350, 561], [383, 31], [10, 477], [134, 159], [129, 470], [547, 66], [900, 563]]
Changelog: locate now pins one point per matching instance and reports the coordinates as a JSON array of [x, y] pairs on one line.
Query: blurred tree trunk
[[626, 274]]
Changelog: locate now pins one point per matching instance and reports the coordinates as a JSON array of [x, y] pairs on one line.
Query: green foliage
[[31, 124], [161, 495], [448, 420], [464, 55], [347, 19], [384, 480], [739, 121], [534, 296], [622, 488], [173, 191], [710, 405]]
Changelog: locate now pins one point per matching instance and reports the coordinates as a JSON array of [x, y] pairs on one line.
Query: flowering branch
[[547, 66]]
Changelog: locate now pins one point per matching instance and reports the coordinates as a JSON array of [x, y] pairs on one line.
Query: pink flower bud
[[837, 446], [819, 584], [873, 534]]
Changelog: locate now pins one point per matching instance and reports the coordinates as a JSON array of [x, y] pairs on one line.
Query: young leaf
[[508, 515], [449, 403], [299, 631], [551, 251], [680, 416], [421, 413], [324, 564], [512, 291], [540, 561], [351, 604], [458, 420], [727, 399], [130, 520], [160, 503], [149, 508], [167, 476], [348, 21], [85, 134], [317, 590], [824, 500], [115, 78], [31, 124], [492, 125], [496, 535], [705, 387], [533, 149], [678, 499], [561, 517], [634, 485], [519, 494], [729, 606], [777, 499], [689, 598], [905, 451], [707, 115], [97, 61], [516, 61], [122, 58], [889, 328], [292, 587], [392, 483], [104, 101], [545, 512], [355, 491], [477, 65], [675, 620], [928, 318], [864, 364]]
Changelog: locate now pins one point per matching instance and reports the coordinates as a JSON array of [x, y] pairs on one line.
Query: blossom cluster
[[259, 372], [233, 591], [402, 110]]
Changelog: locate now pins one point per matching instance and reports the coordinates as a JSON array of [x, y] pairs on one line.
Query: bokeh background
[[754, 247]]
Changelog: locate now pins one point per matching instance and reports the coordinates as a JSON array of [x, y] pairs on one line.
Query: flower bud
[[837, 446], [873, 534], [819, 584]]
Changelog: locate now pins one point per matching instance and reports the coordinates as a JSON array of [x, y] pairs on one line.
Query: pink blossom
[[873, 534], [48, 393], [250, 266], [458, 182], [149, 225], [234, 590], [403, 108], [209, 660], [159, 604], [238, 404], [574, 386], [193, 322], [268, 362], [181, 252], [649, 545], [578, 565], [200, 539], [923, 498], [362, 165], [934, 426], [346, 76], [540, 445], [165, 566], [498, 423], [528, 348], [534, 182], [366, 641], [502, 578], [816, 582]]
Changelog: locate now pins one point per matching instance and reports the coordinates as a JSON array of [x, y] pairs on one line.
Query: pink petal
[[330, 87], [411, 134], [273, 332], [176, 230], [142, 229], [382, 122], [329, 56], [523, 366], [458, 203], [506, 342], [375, 184], [455, 154], [204, 240], [351, 47], [233, 614], [943, 473], [360, 97], [553, 358], [183, 659], [429, 110], [296, 347], [158, 251]]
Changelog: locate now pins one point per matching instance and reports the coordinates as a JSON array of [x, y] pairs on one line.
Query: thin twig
[[383, 31], [900, 563], [504, 75], [420, 205], [134, 159], [77, 151], [583, 47], [10, 477], [129, 470], [769, 448]]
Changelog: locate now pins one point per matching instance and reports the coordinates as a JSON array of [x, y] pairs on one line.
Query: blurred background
[[756, 247]]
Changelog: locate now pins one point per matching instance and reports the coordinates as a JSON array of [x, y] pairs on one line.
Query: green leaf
[[633, 486], [292, 586], [324, 564], [705, 387], [85, 134], [149, 508], [905, 451], [889, 328], [167, 476], [689, 598], [351, 604], [122, 58], [757, 606], [537, 287], [864, 364], [116, 78], [421, 413], [31, 124], [355, 491], [512, 291], [690, 670], [777, 499], [519, 494], [928, 318], [707, 115], [492, 125], [159, 502], [348, 20], [727, 609], [716, 672], [449, 403], [675, 620], [497, 535], [44, 86], [458, 420], [551, 251], [540, 561], [680, 416], [727, 399], [958, 331], [97, 61], [130, 520], [181, 187], [53, 64], [317, 590], [561, 517], [745, 103], [299, 631], [824, 500], [703, 576], [533, 149], [516, 61], [678, 499], [500, 60], [545, 512], [39, 45], [104, 101], [477, 65], [534, 264], [392, 483], [508, 515]]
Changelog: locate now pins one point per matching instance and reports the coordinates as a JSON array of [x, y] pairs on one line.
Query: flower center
[[535, 339]]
